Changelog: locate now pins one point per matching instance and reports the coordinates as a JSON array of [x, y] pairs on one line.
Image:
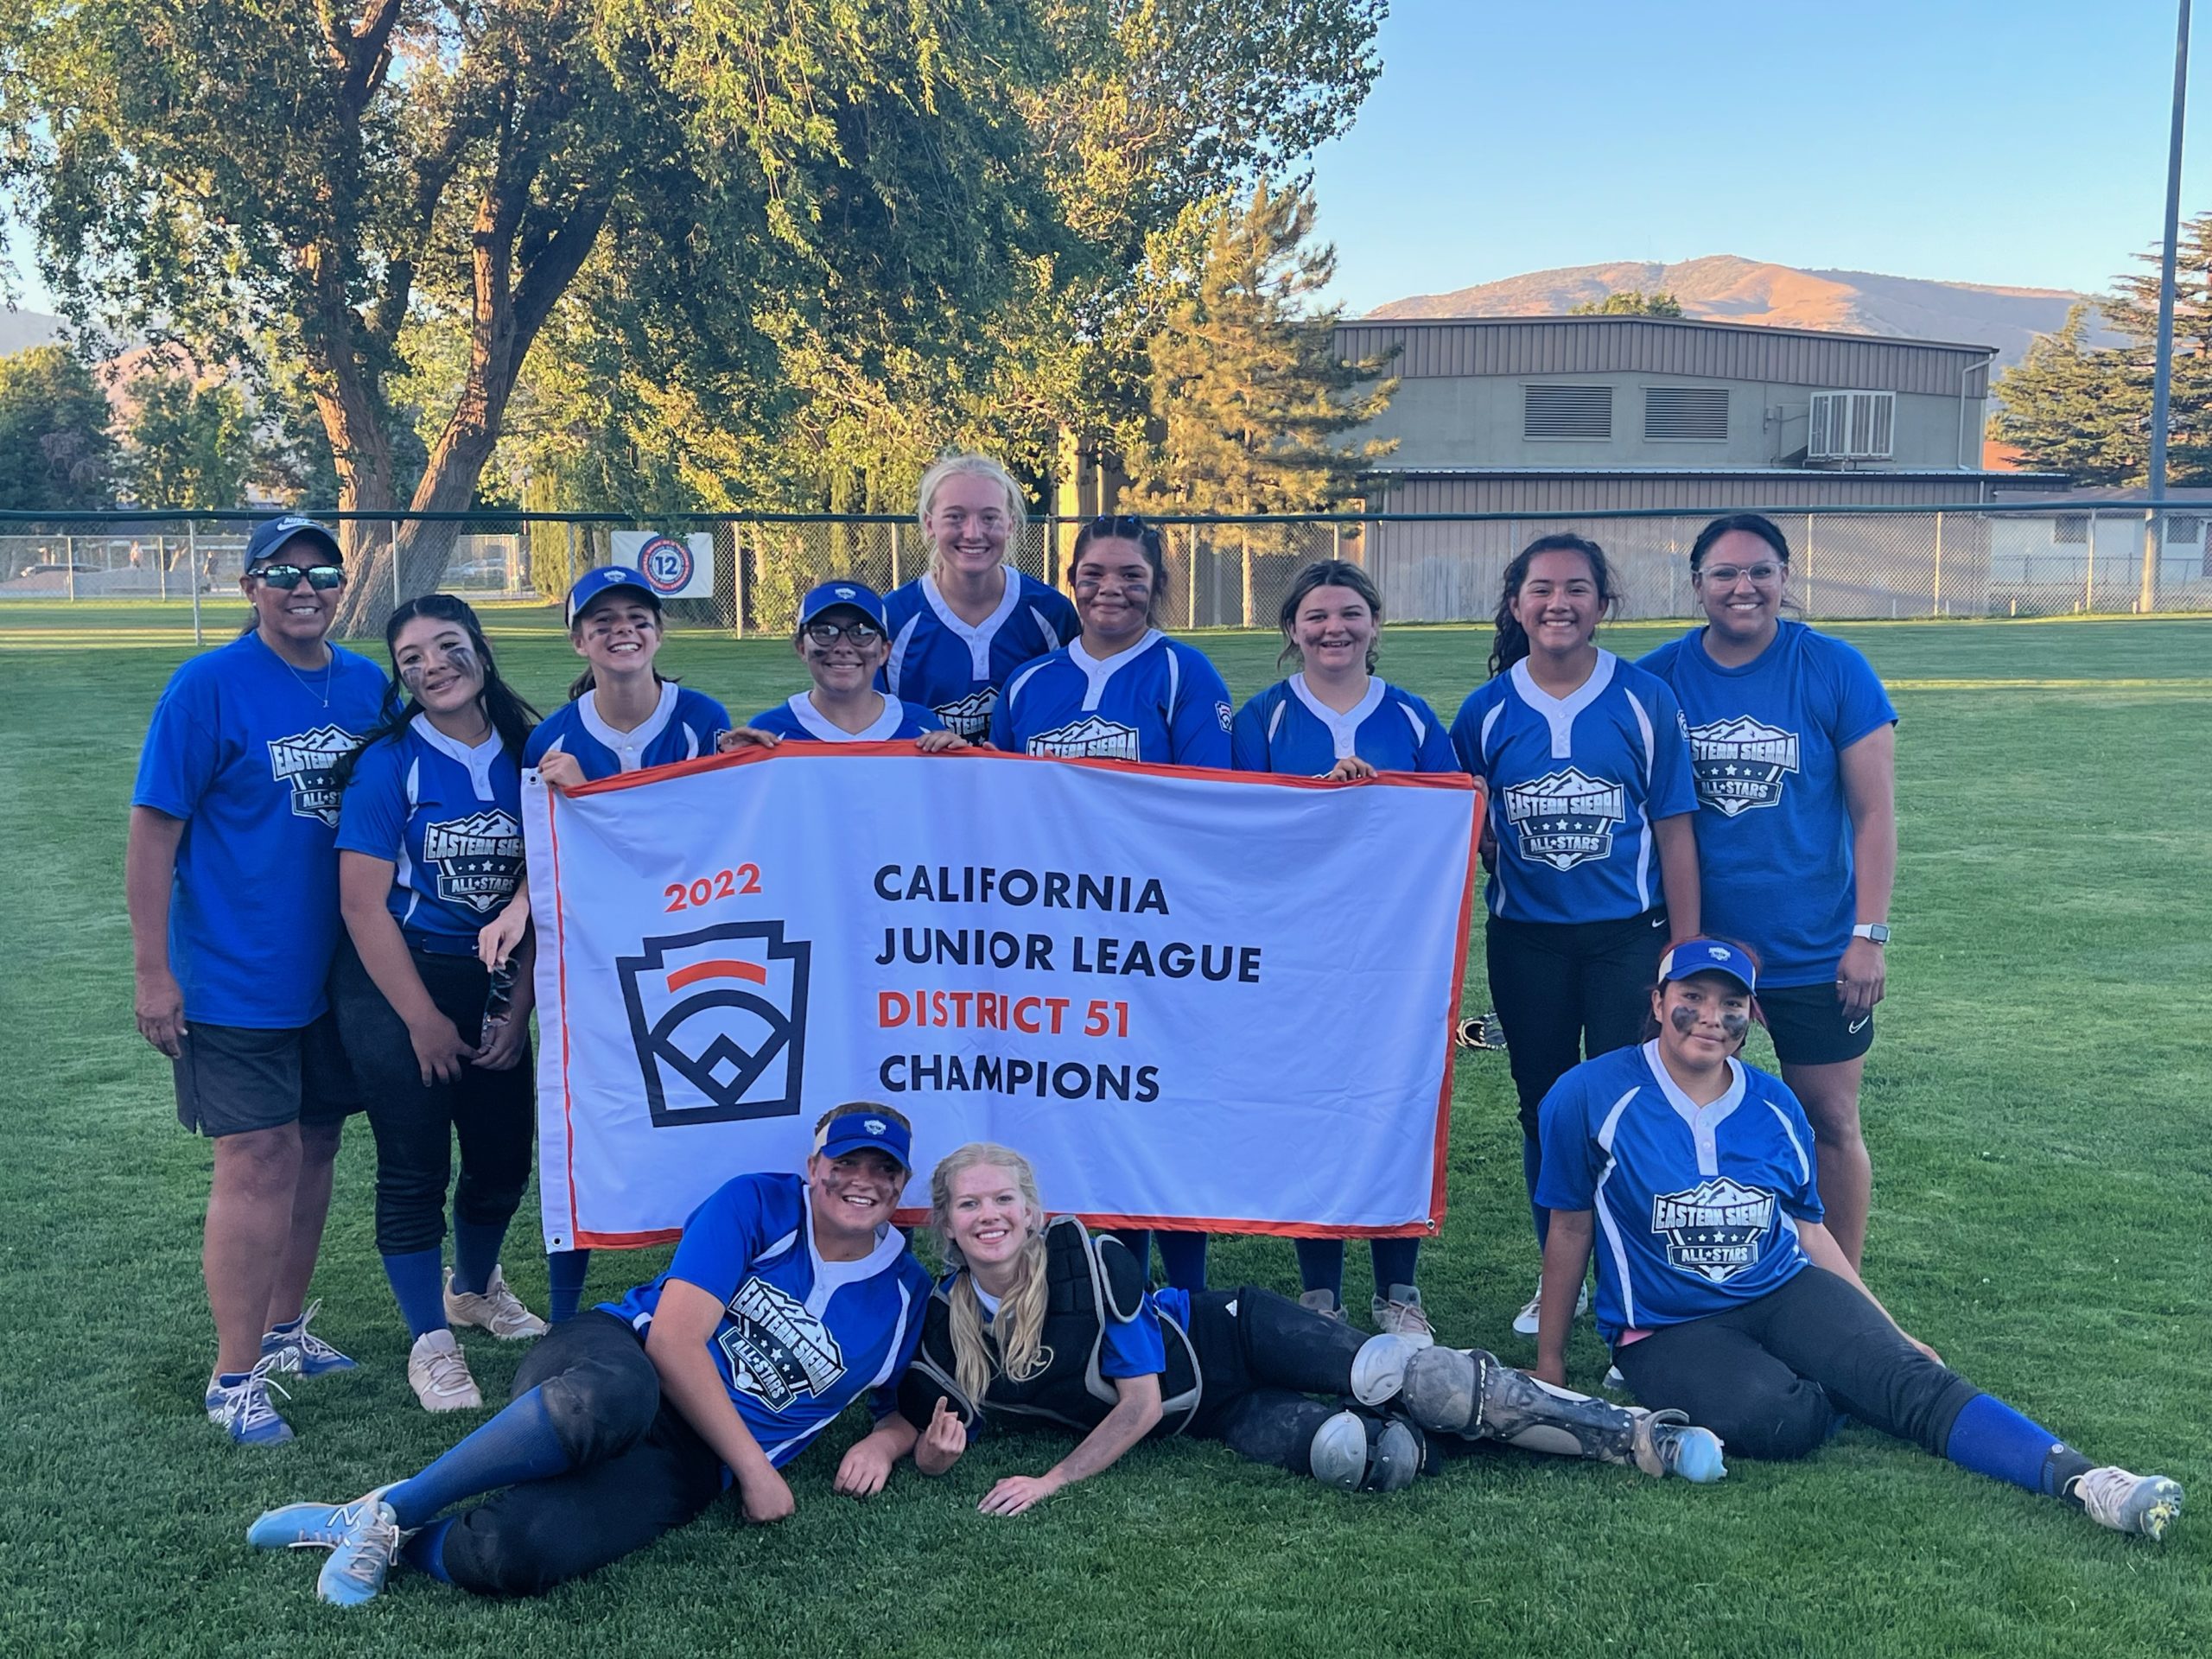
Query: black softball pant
[[492, 1114], [1569, 991], [637, 1469], [1263, 1357], [1768, 1377]]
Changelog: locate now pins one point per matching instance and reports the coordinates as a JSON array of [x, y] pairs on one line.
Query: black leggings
[[638, 1469], [1768, 1377], [1263, 1358], [491, 1112]]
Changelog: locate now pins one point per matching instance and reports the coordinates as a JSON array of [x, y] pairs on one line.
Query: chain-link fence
[[746, 573]]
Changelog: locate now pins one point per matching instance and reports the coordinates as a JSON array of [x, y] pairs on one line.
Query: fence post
[[69, 563], [1336, 540], [737, 580], [397, 600], [1191, 578], [162, 562], [192, 570], [1809, 610], [2089, 579], [1936, 596], [895, 554], [2147, 595]]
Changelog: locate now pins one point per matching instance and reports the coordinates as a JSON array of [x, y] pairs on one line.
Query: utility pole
[[2147, 599]]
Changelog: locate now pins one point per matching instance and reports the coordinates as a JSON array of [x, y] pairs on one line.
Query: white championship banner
[[1194, 999]]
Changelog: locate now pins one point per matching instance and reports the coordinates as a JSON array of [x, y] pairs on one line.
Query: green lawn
[[2037, 1108]]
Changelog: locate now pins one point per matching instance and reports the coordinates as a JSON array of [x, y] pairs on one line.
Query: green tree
[[1630, 302], [2073, 408], [1251, 403], [56, 454], [187, 445]]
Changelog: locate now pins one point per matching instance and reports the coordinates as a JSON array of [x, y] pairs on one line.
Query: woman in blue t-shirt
[[1593, 859], [1719, 1291], [1335, 718], [1795, 745], [429, 852]]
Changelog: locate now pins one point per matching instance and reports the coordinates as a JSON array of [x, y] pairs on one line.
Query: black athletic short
[[231, 1079], [1810, 1028]]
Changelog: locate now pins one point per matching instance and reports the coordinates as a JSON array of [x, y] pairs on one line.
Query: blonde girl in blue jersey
[[1334, 718]]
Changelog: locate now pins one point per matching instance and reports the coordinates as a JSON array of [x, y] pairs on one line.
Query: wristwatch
[[1877, 932]]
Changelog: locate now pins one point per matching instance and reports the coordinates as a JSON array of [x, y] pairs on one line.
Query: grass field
[[2039, 1107]]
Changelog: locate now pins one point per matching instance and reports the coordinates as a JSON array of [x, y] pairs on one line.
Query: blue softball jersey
[[1696, 1207], [1159, 701], [938, 660], [1773, 827], [799, 1337], [1575, 785], [449, 818], [799, 718], [240, 748], [1287, 728], [682, 726]]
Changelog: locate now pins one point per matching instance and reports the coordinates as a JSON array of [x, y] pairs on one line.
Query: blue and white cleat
[[366, 1542], [242, 1408], [2145, 1504], [309, 1526], [300, 1353], [1666, 1443]]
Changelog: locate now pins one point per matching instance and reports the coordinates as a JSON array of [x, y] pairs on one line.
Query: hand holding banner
[[1195, 999]]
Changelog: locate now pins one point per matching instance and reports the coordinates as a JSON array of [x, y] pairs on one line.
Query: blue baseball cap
[[590, 585], [269, 536], [865, 1126], [1709, 956], [831, 595]]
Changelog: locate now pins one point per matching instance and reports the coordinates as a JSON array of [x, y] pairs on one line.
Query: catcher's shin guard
[[1476, 1395], [1355, 1452]]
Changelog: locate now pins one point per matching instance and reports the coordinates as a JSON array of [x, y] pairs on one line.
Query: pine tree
[[1249, 400], [1630, 302]]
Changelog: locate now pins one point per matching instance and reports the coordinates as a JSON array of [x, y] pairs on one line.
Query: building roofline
[[1663, 322], [2055, 481]]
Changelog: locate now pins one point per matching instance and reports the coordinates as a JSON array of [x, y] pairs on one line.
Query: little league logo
[[970, 715], [477, 859], [1741, 764], [304, 762], [718, 1018], [1088, 739], [777, 1350], [1565, 819], [1714, 1230], [667, 564]]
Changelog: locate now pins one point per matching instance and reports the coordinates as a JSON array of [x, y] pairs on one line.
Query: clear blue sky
[[2019, 142], [2015, 142]]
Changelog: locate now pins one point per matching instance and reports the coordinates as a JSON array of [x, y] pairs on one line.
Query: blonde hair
[[964, 464], [1014, 1342]]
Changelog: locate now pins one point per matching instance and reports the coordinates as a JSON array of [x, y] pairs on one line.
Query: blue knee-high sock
[[476, 1252], [1184, 1257], [564, 1272], [1321, 1265], [422, 1297], [1532, 1166], [1397, 1259], [1991, 1439], [425, 1550], [517, 1444]]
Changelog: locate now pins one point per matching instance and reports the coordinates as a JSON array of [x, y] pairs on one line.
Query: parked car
[[56, 568]]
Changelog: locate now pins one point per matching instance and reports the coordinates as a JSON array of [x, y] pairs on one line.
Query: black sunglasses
[[860, 632], [324, 576]]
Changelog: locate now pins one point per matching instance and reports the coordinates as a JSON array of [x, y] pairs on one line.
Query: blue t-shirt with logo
[[939, 661], [1773, 827], [1287, 728], [799, 1338], [1696, 1208], [682, 726], [240, 748], [449, 818], [799, 718], [1159, 700], [1576, 785]]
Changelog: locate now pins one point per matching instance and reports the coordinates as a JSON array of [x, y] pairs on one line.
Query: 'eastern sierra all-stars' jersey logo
[[970, 715], [1716, 1230], [1741, 764], [777, 1350], [1089, 738], [304, 762], [477, 859], [1565, 819]]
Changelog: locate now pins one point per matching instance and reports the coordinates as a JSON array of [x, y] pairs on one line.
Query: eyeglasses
[[826, 634], [1724, 576], [321, 576]]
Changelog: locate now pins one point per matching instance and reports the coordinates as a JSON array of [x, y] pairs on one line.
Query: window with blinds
[[1583, 414], [1685, 414]]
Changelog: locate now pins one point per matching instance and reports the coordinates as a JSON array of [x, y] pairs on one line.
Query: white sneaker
[[438, 1373], [2126, 1503], [1614, 1380], [495, 1308], [1400, 1314], [1323, 1302], [1524, 1322]]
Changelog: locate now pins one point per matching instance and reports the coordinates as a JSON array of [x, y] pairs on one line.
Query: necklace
[[330, 669]]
